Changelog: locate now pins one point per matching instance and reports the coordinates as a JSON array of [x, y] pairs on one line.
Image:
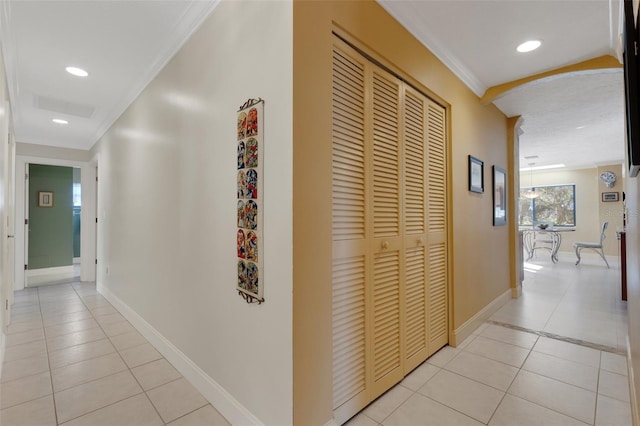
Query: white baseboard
[[517, 291], [467, 329], [2, 349], [225, 403], [58, 270], [632, 386]]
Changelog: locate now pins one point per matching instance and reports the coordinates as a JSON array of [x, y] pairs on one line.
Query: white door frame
[[87, 216]]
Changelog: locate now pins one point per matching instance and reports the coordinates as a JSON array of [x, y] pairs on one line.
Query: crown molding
[[188, 23], [412, 24], [10, 61]]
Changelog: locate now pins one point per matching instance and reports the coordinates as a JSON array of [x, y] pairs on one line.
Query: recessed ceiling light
[[580, 127], [528, 46], [553, 166], [78, 72], [60, 121]]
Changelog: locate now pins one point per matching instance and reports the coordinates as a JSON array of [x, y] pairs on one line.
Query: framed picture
[[610, 196], [476, 174], [45, 199], [499, 196]]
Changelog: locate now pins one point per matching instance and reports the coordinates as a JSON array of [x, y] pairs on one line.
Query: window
[[557, 205], [77, 195]]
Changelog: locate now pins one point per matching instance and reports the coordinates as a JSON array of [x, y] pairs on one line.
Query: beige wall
[[590, 210], [167, 209], [480, 252]]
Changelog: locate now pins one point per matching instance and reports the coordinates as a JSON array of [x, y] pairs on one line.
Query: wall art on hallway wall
[[250, 178]]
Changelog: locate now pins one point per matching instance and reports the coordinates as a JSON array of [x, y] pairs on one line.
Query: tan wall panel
[[312, 295], [480, 251]]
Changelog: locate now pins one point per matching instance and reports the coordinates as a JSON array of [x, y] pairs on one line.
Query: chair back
[[604, 228]]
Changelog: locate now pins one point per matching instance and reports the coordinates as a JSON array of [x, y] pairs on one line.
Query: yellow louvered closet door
[[350, 261], [387, 268], [415, 228], [389, 280], [437, 228]]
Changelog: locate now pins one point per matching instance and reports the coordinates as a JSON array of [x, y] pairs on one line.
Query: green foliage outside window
[[556, 205]]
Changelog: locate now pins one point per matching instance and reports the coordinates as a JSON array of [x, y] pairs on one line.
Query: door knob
[[385, 245], [420, 241]]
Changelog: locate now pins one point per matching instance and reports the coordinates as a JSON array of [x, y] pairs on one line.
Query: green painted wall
[[50, 228]]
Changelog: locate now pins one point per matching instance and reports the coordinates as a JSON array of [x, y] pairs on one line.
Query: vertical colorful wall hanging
[[250, 178]]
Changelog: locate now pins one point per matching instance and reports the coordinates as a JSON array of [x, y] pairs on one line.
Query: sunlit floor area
[[580, 302], [73, 359], [552, 357]]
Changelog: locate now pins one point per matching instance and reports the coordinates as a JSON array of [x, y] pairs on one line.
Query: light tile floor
[[505, 376], [71, 359]]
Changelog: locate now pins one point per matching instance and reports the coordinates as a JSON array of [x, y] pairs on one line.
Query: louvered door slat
[[437, 296], [348, 329], [416, 301], [414, 159], [386, 313], [437, 168], [386, 156], [348, 148]]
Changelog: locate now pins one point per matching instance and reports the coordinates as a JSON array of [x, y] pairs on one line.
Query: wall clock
[[609, 178]]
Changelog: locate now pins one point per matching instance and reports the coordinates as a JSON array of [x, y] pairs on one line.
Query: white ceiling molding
[[424, 36], [9, 56], [616, 22], [184, 28]]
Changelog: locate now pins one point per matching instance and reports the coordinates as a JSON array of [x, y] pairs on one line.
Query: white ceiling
[[477, 39], [123, 44]]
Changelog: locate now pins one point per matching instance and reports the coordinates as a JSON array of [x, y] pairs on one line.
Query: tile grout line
[[127, 365], [121, 359], [46, 347], [533, 402], [553, 336], [506, 392]]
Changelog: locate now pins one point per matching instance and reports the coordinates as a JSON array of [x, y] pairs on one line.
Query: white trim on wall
[[2, 349], [87, 218], [57, 270], [467, 329], [223, 401]]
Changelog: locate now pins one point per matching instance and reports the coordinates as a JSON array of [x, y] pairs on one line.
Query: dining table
[[550, 238]]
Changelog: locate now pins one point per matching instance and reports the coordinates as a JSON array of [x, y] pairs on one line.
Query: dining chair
[[579, 245]]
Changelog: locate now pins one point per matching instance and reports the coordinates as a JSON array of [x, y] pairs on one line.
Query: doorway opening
[[52, 227]]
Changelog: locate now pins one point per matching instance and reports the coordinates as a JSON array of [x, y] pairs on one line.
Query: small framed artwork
[[476, 174], [499, 196], [610, 196], [45, 199]]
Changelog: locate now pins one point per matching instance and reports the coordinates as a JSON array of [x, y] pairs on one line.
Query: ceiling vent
[[62, 106]]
